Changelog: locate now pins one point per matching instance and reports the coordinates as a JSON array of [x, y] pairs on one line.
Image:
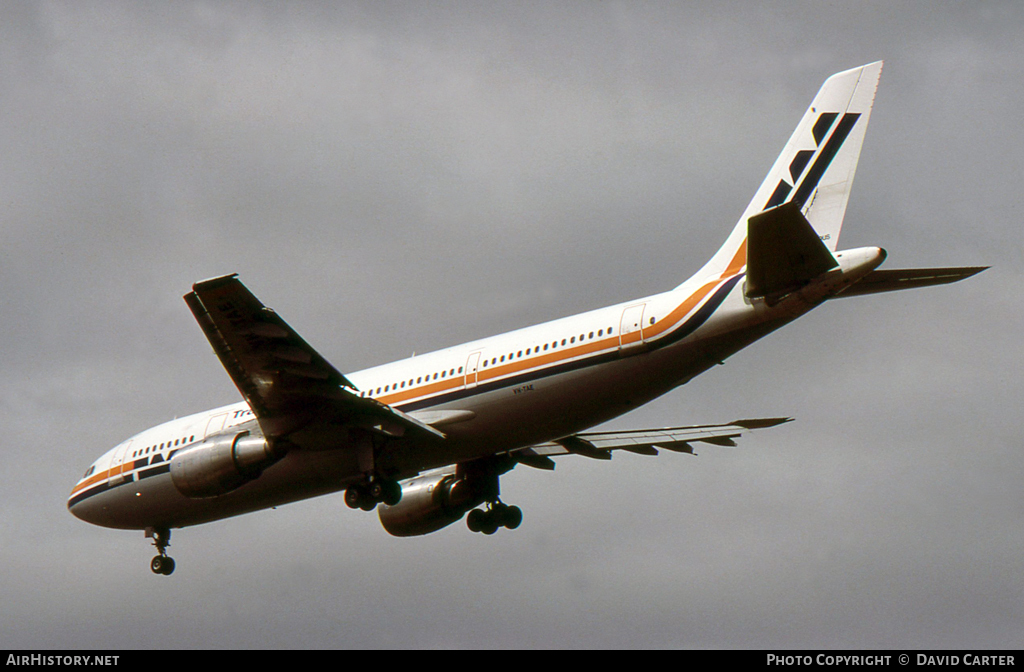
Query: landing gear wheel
[[354, 496], [359, 496], [367, 495], [377, 491], [512, 518], [162, 564], [498, 515], [392, 493]]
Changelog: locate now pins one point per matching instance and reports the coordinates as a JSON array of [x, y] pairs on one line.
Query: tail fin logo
[[825, 154]]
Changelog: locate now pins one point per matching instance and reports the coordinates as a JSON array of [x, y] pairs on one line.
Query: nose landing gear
[[163, 563]]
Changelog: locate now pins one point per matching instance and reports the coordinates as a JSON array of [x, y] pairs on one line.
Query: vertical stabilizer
[[816, 167]]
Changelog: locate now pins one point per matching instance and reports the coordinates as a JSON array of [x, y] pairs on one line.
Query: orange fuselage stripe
[[666, 324]]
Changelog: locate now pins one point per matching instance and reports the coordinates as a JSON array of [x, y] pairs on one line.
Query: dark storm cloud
[[405, 176]]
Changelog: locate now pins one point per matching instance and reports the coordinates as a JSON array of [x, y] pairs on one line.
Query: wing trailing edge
[[290, 387], [599, 445]]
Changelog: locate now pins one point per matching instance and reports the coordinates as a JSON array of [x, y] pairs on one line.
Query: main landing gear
[[371, 492], [485, 476], [375, 488], [163, 563], [495, 515]]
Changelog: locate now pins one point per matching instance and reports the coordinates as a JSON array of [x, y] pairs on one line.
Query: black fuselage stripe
[[154, 471], [696, 320], [161, 467], [102, 486], [687, 328]]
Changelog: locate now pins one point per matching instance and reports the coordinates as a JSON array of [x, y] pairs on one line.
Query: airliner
[[425, 440]]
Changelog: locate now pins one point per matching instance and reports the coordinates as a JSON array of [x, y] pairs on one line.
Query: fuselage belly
[[505, 416]]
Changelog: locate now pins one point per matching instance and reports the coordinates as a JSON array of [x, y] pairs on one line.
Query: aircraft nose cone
[[76, 508], [86, 508]]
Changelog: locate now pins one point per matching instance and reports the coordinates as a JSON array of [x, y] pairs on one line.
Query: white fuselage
[[488, 397]]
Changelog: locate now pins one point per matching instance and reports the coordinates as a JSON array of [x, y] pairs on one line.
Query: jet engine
[[429, 502], [220, 464]]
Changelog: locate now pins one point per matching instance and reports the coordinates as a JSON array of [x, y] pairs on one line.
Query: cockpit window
[[89, 472]]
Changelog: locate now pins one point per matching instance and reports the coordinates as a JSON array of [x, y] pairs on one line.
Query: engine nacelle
[[429, 502], [220, 464]]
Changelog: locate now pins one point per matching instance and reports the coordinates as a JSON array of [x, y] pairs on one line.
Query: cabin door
[[472, 366], [631, 328]]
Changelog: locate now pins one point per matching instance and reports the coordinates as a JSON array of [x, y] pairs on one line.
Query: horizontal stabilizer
[[784, 252], [909, 278]]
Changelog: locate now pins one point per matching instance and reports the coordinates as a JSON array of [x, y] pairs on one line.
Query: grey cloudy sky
[[398, 177]]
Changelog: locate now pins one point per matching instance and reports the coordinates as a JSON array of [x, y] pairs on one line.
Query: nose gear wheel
[[163, 563]]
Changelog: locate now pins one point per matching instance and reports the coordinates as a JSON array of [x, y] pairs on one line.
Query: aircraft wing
[[599, 445], [288, 384]]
